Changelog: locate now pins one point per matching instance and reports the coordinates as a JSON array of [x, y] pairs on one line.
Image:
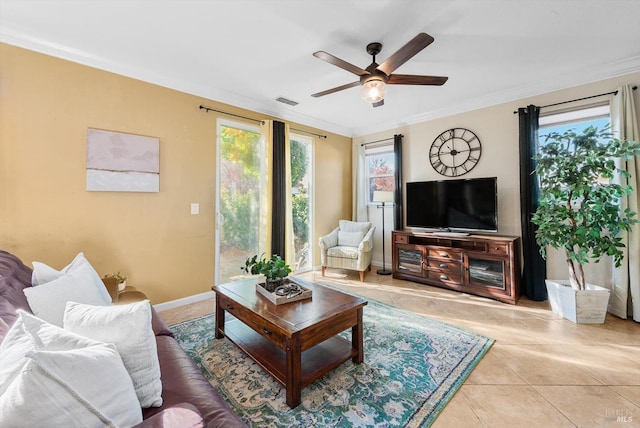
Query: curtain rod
[[581, 99], [380, 141], [208, 109], [308, 132]]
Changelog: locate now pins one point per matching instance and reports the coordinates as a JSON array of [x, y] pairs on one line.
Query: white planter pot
[[580, 306]]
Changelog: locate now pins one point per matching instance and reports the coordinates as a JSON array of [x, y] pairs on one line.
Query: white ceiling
[[248, 53]]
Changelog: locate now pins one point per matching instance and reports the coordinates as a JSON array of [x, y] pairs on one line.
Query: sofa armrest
[[183, 415], [160, 328], [182, 382], [367, 242], [330, 240]]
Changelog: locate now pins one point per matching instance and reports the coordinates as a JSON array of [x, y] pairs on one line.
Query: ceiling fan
[[374, 78]]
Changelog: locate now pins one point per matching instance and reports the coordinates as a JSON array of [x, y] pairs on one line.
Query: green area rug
[[413, 367]]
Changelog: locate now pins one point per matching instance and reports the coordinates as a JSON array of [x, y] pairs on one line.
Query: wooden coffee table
[[296, 342]]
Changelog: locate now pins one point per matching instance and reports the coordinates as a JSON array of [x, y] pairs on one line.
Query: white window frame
[[311, 141], [221, 122], [576, 115], [374, 150]]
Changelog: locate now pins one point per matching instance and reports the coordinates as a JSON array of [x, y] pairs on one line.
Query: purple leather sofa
[[189, 400]]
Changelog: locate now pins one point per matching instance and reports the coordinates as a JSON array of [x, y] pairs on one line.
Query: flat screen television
[[461, 205]]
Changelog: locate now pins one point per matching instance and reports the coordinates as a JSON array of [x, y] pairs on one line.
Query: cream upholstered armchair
[[348, 246]]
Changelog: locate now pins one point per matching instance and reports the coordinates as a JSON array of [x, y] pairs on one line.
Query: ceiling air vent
[[286, 101]]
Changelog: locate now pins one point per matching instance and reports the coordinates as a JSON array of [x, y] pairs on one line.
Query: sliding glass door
[[301, 200], [241, 171], [242, 210]]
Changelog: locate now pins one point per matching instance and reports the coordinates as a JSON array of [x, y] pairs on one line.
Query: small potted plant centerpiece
[[579, 212], [274, 269]]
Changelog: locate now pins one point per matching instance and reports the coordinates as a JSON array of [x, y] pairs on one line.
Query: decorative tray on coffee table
[[289, 292]]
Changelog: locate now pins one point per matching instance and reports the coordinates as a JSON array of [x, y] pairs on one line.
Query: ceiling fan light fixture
[[373, 89], [374, 79]]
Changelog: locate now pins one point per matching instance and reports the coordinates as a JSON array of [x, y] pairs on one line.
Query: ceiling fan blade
[[402, 55], [378, 104], [409, 79], [332, 90], [340, 63]]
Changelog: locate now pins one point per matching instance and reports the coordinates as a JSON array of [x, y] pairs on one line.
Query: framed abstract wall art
[[119, 162]]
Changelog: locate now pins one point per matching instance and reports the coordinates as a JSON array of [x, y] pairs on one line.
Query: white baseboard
[[184, 301]]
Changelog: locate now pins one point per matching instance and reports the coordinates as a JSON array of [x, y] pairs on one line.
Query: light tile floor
[[542, 371]]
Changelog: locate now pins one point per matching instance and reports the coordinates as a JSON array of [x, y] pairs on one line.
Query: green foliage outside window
[[300, 199], [300, 204], [239, 200], [240, 220], [298, 162]]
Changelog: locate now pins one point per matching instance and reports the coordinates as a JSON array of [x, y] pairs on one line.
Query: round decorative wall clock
[[455, 152]]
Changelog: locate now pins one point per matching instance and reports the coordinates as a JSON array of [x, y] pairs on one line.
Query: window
[[380, 169], [239, 187], [301, 149], [578, 120]]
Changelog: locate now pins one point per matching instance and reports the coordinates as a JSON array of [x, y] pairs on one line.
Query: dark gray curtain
[[397, 197], [278, 190], [535, 268]]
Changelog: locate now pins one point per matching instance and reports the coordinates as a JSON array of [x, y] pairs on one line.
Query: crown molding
[[15, 37], [556, 83]]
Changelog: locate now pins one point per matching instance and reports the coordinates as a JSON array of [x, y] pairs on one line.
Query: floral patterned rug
[[413, 367]]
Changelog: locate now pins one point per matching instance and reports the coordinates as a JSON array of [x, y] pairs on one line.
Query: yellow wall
[[332, 188], [46, 106], [497, 129]]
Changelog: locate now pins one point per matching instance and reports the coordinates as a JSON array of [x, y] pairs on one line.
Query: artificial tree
[[579, 205]]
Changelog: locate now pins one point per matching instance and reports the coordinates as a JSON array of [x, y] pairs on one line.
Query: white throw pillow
[[48, 301], [43, 273], [51, 377], [349, 239], [129, 328], [354, 226]]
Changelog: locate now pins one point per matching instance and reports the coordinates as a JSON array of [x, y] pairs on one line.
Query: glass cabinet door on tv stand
[[485, 272], [483, 265], [410, 259]]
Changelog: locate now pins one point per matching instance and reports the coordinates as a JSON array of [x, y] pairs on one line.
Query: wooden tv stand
[[483, 265]]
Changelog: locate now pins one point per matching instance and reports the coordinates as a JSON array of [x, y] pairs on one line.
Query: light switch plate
[[195, 208]]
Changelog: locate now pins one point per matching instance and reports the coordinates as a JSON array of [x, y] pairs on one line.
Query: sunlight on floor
[[542, 370]]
